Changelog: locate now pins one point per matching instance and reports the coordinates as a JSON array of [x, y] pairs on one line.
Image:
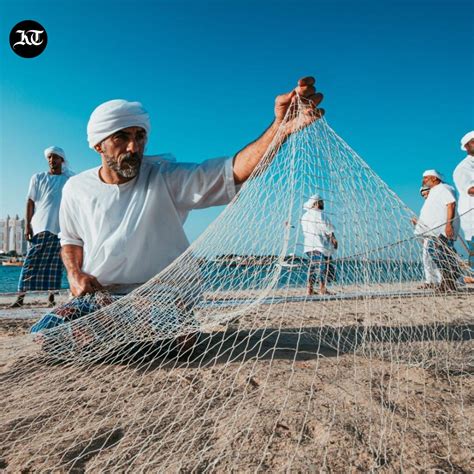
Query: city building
[[12, 235]]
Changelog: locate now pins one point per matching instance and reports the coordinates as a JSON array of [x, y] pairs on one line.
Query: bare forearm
[[72, 256], [30, 210], [451, 211], [249, 157]]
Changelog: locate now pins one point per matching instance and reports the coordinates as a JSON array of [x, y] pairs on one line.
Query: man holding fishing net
[[122, 222]]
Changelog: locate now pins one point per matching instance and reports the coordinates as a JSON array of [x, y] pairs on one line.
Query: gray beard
[[127, 166]]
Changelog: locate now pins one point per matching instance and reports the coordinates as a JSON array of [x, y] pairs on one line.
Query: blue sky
[[397, 78]]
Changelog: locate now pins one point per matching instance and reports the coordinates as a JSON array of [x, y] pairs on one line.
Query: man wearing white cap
[[42, 269], [438, 223], [463, 177], [319, 244], [432, 274], [122, 222]]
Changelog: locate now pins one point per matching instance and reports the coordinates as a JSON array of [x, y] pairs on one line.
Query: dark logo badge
[[28, 39]]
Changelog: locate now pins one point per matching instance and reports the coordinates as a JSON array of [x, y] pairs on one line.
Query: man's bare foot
[[17, 304], [468, 280]]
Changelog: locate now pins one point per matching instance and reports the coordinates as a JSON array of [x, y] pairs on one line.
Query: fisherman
[[438, 223], [463, 178], [42, 268], [319, 245], [122, 222], [432, 274]]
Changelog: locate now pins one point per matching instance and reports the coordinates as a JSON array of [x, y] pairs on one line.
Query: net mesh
[[224, 362]]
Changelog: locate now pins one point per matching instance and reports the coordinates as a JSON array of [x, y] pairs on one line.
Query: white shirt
[[463, 177], [434, 213], [130, 232], [317, 231], [45, 191]]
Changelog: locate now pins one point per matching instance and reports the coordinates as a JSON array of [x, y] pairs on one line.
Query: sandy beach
[[338, 386]]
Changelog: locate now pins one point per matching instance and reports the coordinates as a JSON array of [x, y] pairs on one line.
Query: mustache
[[129, 158]]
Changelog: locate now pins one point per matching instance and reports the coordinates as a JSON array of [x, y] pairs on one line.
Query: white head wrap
[[466, 138], [434, 173], [113, 116], [312, 201], [60, 152]]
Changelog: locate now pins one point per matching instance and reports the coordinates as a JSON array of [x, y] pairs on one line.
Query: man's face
[[430, 181], [123, 151], [319, 205], [55, 163], [470, 147], [424, 194]]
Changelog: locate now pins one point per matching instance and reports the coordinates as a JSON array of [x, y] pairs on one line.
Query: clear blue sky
[[397, 78]]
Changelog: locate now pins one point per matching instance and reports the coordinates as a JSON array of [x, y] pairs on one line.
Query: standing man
[[122, 222], [463, 178], [432, 274], [438, 223], [42, 269], [319, 244]]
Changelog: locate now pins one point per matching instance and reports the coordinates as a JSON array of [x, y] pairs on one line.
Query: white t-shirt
[[130, 232], [45, 191], [317, 231], [463, 177], [434, 213]]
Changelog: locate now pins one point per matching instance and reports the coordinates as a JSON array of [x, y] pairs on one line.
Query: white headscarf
[[312, 201], [113, 116], [466, 138], [60, 152], [434, 173]]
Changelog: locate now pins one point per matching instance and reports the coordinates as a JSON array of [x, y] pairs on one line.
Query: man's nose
[[133, 145]]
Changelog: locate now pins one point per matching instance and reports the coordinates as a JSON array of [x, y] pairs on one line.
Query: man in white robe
[[463, 178], [438, 223]]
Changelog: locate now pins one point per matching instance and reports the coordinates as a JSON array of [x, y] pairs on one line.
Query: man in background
[[319, 244], [438, 223], [463, 178], [432, 274], [42, 269]]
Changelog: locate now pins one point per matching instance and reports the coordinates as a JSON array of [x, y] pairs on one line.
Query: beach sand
[[371, 384]]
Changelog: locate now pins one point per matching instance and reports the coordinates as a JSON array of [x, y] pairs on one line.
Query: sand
[[335, 386]]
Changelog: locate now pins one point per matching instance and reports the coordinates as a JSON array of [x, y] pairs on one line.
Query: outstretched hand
[[302, 103]]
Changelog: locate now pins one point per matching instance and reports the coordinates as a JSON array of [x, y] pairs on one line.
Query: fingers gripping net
[[223, 362]]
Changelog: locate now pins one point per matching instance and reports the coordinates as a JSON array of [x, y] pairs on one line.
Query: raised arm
[[247, 159]]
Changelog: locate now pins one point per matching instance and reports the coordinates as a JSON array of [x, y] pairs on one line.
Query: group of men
[[441, 217], [117, 225]]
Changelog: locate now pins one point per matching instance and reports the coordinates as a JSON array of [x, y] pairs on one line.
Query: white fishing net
[[223, 362]]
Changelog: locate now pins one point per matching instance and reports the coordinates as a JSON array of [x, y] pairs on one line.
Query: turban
[[60, 152], [55, 150], [434, 173], [312, 201], [466, 138], [113, 116]]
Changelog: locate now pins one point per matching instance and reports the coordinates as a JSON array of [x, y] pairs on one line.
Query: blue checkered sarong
[[43, 267], [321, 268]]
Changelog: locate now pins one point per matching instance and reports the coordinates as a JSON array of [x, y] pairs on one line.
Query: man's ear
[[98, 148]]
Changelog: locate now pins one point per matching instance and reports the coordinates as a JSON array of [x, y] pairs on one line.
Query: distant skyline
[[397, 78]]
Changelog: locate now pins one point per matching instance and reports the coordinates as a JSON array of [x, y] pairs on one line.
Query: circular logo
[[28, 39]]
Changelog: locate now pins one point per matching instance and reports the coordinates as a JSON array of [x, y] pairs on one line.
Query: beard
[[126, 165]]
